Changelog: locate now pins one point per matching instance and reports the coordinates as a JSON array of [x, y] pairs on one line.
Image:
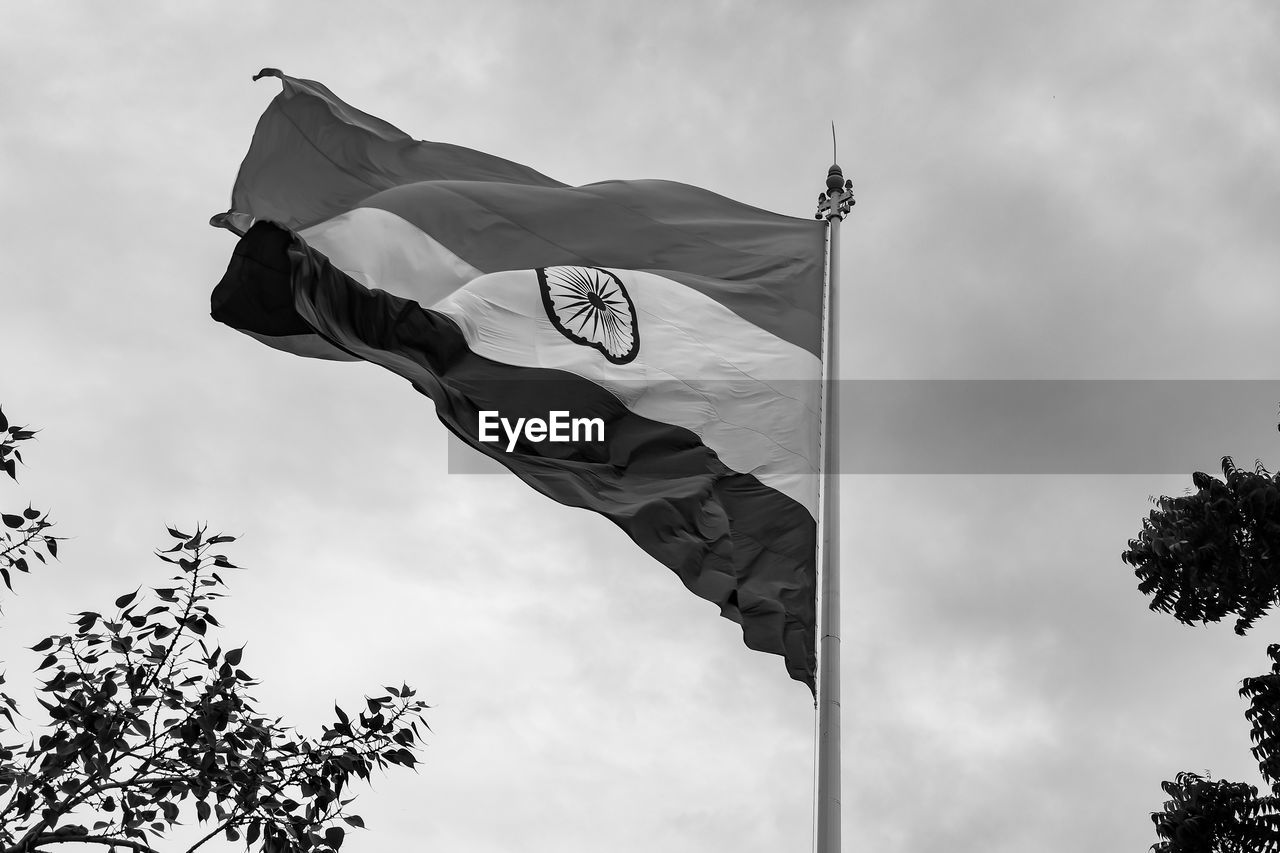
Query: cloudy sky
[[1045, 191]]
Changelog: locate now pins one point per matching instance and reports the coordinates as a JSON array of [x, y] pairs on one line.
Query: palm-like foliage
[[1263, 693], [1216, 816], [1214, 552], [1201, 557]]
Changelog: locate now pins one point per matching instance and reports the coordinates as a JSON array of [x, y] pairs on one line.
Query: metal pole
[[832, 206]]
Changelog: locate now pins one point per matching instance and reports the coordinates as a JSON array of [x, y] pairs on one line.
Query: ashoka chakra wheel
[[591, 307]]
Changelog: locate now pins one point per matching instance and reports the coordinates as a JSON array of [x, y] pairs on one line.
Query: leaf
[[31, 513], [14, 521], [233, 656], [354, 820], [4, 573], [333, 836], [177, 534], [47, 662], [4, 422], [52, 545], [43, 645], [125, 600]]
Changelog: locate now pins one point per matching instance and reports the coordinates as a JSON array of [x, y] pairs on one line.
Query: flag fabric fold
[[686, 324]]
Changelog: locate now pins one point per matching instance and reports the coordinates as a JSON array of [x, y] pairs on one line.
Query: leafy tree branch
[[1201, 557], [147, 719]]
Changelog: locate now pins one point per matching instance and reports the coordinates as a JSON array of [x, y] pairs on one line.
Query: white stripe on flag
[[750, 396], [383, 251]]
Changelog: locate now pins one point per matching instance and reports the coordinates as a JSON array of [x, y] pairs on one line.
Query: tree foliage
[[1214, 552], [24, 535], [147, 721], [1201, 557], [1216, 816], [1205, 815], [1263, 693]]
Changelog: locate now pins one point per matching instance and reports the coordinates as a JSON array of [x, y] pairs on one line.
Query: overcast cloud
[[1045, 191]]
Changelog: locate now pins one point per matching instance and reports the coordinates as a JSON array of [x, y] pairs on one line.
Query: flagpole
[[833, 205]]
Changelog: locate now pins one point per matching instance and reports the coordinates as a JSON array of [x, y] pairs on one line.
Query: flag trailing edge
[[466, 274]]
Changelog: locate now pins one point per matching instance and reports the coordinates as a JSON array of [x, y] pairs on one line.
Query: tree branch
[[237, 816], [52, 838], [29, 535], [191, 595]]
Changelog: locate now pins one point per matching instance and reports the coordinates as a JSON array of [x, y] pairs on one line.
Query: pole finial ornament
[[838, 200], [835, 177]]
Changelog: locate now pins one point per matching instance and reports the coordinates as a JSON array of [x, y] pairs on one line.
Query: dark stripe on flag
[[730, 539], [314, 156], [249, 299]]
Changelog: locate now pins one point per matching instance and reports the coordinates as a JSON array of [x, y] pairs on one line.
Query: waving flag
[[685, 326]]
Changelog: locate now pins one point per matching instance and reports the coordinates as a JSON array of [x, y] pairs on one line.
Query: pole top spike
[[835, 177], [837, 199]]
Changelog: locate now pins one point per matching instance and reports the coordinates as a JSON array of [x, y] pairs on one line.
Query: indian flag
[[685, 326]]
